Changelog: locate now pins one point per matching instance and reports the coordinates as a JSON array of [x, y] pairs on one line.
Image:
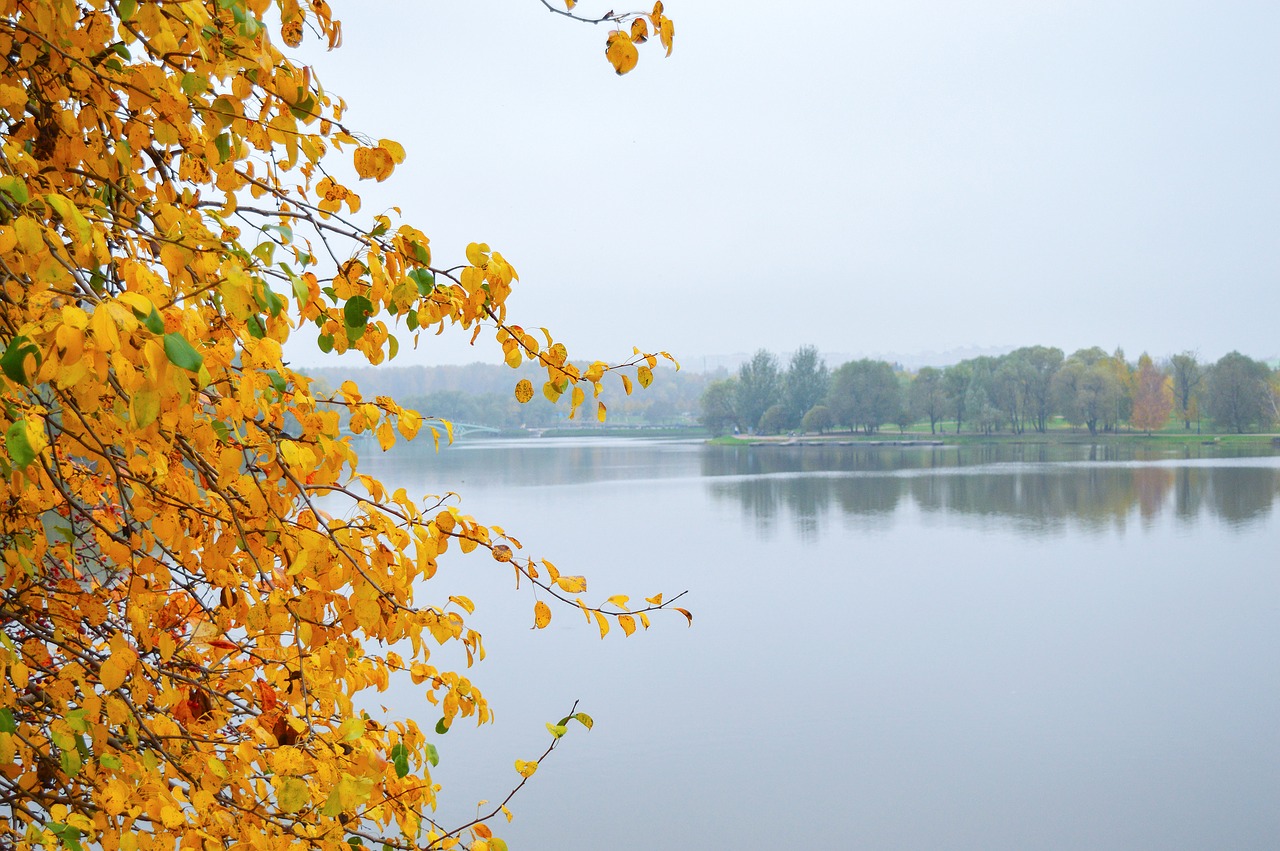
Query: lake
[[995, 647]]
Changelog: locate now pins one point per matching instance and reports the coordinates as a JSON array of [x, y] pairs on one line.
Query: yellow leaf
[[603, 623], [464, 602], [655, 600], [621, 52], [526, 769], [627, 623], [626, 384], [644, 375], [512, 356], [395, 149], [541, 614], [572, 584], [524, 390], [477, 253], [601, 413], [619, 600], [569, 4], [293, 794], [639, 31]]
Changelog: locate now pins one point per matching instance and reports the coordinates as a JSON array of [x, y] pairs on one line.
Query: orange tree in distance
[[183, 631]]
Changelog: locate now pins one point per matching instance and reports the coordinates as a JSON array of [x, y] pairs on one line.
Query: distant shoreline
[[1053, 437]]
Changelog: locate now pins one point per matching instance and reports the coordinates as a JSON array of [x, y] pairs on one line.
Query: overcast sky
[[888, 177]]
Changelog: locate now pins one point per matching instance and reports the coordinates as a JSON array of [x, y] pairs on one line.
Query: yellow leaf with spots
[[644, 375], [603, 623], [541, 614], [293, 794], [621, 52], [526, 769], [572, 584], [627, 623], [524, 390]]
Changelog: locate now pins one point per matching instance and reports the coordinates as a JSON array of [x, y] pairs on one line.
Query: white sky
[[866, 177]]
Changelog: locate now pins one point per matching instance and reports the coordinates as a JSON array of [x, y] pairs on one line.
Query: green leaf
[[154, 323], [303, 109], [15, 187], [180, 353], [557, 730], [400, 757], [128, 8], [14, 360], [266, 252], [497, 844], [300, 290], [356, 312], [393, 347], [221, 430], [433, 755], [20, 449], [108, 760], [223, 143], [194, 84], [7, 724], [69, 835], [442, 727], [412, 320], [424, 279], [277, 381], [325, 343], [256, 329]]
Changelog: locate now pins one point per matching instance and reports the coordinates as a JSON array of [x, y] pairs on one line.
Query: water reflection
[[1034, 489]]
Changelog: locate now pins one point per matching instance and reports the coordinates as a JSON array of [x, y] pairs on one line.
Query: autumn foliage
[[187, 620]]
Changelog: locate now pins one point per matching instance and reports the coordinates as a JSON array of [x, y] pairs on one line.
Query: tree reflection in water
[[1036, 489]]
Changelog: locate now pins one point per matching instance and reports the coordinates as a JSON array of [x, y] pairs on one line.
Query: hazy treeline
[[483, 394], [1017, 392]]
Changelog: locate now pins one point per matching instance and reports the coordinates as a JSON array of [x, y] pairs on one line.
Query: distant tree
[[1124, 387], [1040, 364], [1238, 396], [719, 412], [805, 383], [1188, 376], [1152, 396], [981, 395], [864, 394], [774, 420], [906, 415], [929, 396], [1086, 389], [955, 381], [759, 387], [818, 418], [1008, 389]]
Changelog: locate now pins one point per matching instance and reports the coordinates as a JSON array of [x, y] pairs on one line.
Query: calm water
[[892, 648]]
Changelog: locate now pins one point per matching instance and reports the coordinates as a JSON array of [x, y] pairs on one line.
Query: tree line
[[1018, 392]]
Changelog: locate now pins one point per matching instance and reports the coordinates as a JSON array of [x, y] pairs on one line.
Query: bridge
[[460, 429]]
